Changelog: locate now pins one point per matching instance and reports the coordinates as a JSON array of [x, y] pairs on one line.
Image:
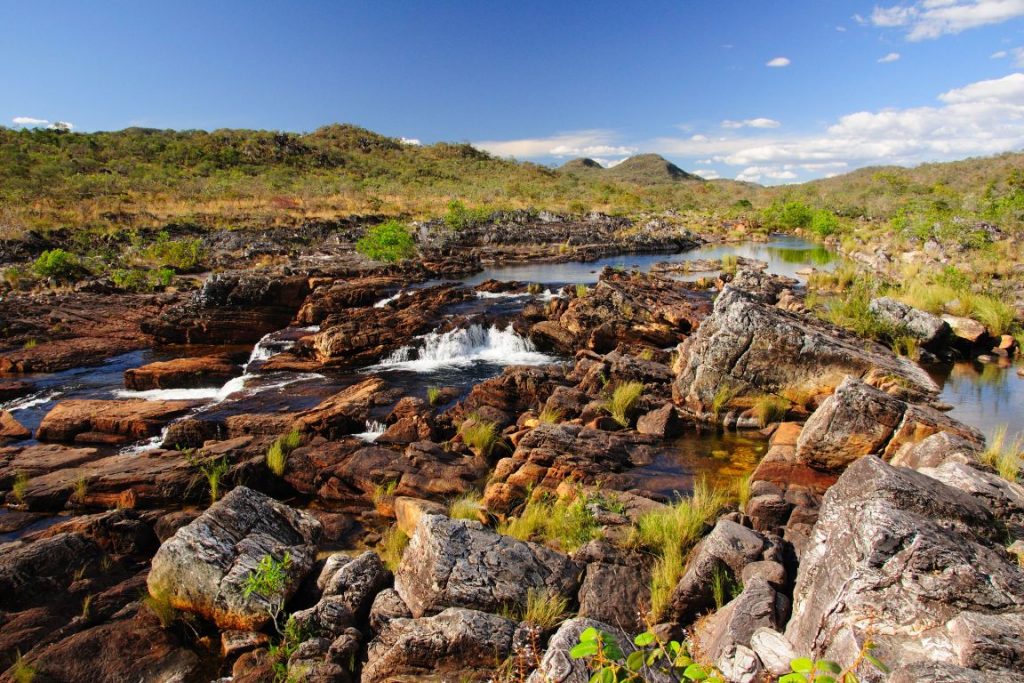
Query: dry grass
[[1004, 457], [770, 408], [623, 400], [392, 546], [466, 506]]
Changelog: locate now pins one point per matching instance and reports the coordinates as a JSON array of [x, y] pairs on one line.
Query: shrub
[[623, 401], [770, 408], [388, 242], [824, 223], [268, 581], [787, 215], [392, 546], [459, 217], [181, 255], [20, 486], [57, 264], [479, 434]]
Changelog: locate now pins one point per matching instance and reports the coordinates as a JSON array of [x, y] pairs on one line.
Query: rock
[[11, 429], [773, 650], [234, 643], [344, 413], [31, 572], [859, 419], [552, 453], [912, 560], [729, 547], [456, 563], [663, 422], [89, 421], [1003, 498], [204, 566], [752, 348], [386, 606], [455, 644], [129, 649], [347, 596], [190, 372], [548, 334], [772, 572], [937, 449], [339, 295], [408, 512], [231, 308], [930, 330], [615, 587], [11, 389], [724, 637], [566, 402], [558, 667], [969, 335]]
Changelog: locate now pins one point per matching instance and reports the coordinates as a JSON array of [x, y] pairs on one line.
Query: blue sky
[[765, 91]]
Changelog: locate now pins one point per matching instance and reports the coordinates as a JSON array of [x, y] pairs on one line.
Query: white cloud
[[585, 143], [891, 57], [1002, 54], [928, 19], [778, 62], [841, 29], [751, 123], [754, 174], [985, 117], [708, 173], [61, 125], [410, 141], [609, 163], [28, 121]]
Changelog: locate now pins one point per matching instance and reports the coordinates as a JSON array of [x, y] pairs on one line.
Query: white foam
[[373, 430], [464, 347], [384, 302], [31, 401], [501, 295]]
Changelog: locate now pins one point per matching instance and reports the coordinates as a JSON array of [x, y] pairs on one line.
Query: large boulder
[[189, 372], [458, 563], [859, 419], [930, 330], [457, 644], [204, 567], [916, 566], [749, 348], [348, 593]]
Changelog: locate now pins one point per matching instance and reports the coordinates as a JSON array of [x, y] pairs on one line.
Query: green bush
[[824, 223], [57, 264], [459, 217], [787, 215], [388, 242]]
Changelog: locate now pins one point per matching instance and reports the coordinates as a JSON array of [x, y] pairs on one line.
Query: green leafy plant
[[623, 401], [281, 651], [652, 659], [269, 581], [388, 242], [58, 264], [805, 670]]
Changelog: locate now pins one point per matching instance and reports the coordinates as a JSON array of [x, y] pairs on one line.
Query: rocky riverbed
[[369, 440]]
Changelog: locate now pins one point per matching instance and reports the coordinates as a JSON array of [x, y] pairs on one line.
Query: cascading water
[[394, 297], [465, 346], [373, 430]]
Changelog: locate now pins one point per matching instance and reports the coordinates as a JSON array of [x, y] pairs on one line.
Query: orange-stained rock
[[85, 421], [202, 371]]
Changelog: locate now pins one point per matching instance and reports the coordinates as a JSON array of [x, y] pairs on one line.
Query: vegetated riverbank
[[385, 405]]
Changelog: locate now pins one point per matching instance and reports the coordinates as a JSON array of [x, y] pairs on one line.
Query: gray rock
[[772, 572], [453, 644], [724, 637], [930, 330], [859, 419], [907, 557], [386, 606], [936, 672], [938, 449], [754, 348], [347, 596], [1003, 498], [558, 667], [729, 548], [774, 651], [457, 563], [615, 593], [203, 568]]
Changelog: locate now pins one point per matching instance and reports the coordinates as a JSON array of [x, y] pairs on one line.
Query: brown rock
[[10, 428], [409, 510], [663, 422], [344, 413], [131, 420], [204, 371]]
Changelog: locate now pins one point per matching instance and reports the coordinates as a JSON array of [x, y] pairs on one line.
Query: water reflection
[[985, 395], [720, 457]]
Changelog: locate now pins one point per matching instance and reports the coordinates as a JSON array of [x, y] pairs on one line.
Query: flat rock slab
[[182, 373], [11, 429], [84, 421], [203, 568], [457, 563]]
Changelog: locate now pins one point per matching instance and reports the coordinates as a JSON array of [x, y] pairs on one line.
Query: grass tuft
[[623, 400], [392, 546], [479, 434], [277, 455], [770, 408], [564, 523], [550, 416], [1004, 458], [433, 395], [20, 486], [545, 609], [466, 506]]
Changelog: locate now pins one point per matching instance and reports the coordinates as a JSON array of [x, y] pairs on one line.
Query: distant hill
[[642, 169]]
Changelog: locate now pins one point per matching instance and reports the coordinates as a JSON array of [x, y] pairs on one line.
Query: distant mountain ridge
[[642, 169]]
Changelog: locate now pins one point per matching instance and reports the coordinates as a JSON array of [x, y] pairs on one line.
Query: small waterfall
[[465, 346], [394, 297], [373, 430]]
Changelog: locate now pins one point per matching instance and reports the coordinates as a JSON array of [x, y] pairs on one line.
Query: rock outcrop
[[747, 348], [456, 563], [183, 373], [203, 568], [108, 422]]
